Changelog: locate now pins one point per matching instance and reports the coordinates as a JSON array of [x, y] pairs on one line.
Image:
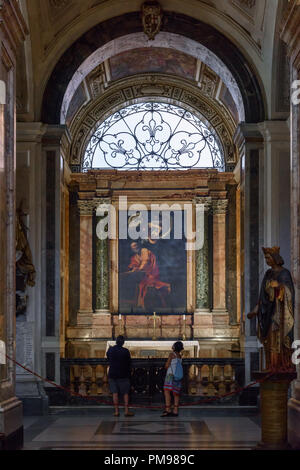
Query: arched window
[[153, 136]]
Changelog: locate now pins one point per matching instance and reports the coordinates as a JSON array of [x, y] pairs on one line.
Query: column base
[[85, 318], [202, 311], [33, 397], [11, 424], [102, 312]]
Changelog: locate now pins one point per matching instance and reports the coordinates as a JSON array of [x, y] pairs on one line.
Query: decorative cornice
[[220, 207]]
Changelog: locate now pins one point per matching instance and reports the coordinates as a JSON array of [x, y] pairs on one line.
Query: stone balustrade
[[203, 378]]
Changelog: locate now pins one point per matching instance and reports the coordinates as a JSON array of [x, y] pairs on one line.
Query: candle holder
[[154, 338]]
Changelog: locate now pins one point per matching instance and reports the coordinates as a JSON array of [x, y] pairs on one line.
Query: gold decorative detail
[[152, 19]]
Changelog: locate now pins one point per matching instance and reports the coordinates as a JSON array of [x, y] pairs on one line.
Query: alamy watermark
[[138, 222], [296, 355], [295, 92]]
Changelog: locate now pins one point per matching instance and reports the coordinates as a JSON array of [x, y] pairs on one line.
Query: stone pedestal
[[274, 409]]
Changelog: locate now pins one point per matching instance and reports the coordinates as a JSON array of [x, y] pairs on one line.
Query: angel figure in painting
[[275, 313]]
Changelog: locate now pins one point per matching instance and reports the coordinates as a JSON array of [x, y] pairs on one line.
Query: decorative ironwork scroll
[[153, 136]]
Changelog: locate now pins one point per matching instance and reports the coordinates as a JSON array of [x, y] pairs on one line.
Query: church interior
[[111, 110]]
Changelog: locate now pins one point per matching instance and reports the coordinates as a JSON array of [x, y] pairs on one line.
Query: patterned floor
[[195, 429]]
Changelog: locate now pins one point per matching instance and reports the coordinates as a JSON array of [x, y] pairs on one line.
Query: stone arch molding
[[150, 87], [162, 40]]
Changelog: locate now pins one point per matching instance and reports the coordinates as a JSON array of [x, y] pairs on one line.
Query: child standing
[[172, 384]]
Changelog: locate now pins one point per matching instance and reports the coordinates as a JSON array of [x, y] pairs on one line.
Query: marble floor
[[195, 429]]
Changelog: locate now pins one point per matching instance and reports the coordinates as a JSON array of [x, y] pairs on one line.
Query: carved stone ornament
[[248, 3], [152, 19], [204, 201], [87, 207], [220, 206]]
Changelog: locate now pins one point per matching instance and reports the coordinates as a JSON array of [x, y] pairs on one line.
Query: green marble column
[[102, 273], [202, 263]]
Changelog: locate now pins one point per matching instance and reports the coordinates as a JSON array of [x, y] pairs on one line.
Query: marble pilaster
[[86, 212], [220, 208], [275, 187], [52, 177], [29, 326], [12, 34], [250, 144], [291, 36]]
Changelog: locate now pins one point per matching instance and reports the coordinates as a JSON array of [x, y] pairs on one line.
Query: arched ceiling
[[56, 25], [204, 36], [121, 58]]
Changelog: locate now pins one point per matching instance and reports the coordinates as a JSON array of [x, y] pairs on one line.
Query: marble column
[[203, 264], [29, 332], [102, 264], [275, 187], [86, 212], [249, 141], [291, 35], [219, 256], [12, 34], [52, 180]]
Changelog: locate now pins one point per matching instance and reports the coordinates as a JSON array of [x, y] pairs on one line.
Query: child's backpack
[[178, 374]]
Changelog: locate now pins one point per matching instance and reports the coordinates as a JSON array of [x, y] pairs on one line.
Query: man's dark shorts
[[121, 386]]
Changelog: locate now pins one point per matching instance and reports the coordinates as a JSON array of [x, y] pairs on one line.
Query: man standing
[[119, 374]]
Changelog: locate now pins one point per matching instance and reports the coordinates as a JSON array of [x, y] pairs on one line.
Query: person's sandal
[[116, 414], [129, 414], [174, 415], [166, 414]]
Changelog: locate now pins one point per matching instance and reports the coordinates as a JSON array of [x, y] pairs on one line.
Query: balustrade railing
[[203, 378]]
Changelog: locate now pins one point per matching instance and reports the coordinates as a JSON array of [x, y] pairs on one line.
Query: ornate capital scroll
[[86, 207], [220, 207], [204, 201]]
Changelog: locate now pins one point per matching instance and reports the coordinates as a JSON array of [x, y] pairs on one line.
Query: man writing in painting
[[145, 261]]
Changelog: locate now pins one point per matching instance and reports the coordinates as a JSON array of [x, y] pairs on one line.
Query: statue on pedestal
[[275, 313]]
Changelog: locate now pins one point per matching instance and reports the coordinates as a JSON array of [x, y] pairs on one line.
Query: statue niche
[[275, 313], [25, 270]]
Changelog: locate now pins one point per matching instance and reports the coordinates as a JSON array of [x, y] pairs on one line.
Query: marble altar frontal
[[140, 349]]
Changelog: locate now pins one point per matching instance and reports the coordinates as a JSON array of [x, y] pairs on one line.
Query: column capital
[[31, 132], [86, 207], [103, 204], [220, 206], [204, 201], [273, 131]]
